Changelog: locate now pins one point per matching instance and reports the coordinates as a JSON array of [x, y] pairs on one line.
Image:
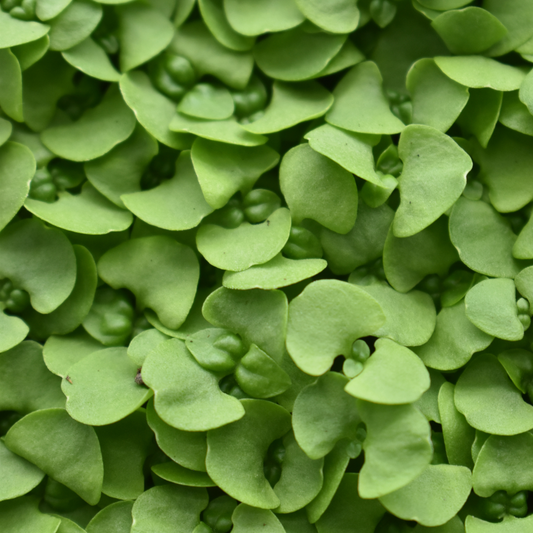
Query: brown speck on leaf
[[138, 378], [68, 379], [268, 222]]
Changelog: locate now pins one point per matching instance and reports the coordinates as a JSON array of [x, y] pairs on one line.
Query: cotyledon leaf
[[433, 178], [6, 128], [186, 395], [95, 133], [11, 85], [485, 395], [115, 517], [14, 331], [247, 519], [175, 473], [339, 16], [143, 343], [325, 320], [23, 514], [247, 245], [14, 31], [235, 452], [169, 290], [101, 388], [30, 53], [205, 100], [49, 9], [515, 115], [511, 525], [64, 449], [291, 104]]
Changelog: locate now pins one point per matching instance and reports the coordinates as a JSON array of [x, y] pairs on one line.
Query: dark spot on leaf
[[138, 378]]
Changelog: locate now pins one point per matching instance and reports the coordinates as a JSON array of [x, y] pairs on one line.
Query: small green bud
[[360, 351], [179, 69], [250, 100], [231, 343], [302, 244], [259, 204]]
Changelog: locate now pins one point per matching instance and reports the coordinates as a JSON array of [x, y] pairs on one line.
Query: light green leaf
[[248, 519], [483, 238], [74, 24], [91, 59], [437, 100], [180, 475], [360, 104], [316, 187], [143, 343], [176, 204], [515, 115], [223, 169], [14, 31], [64, 449], [247, 245], [397, 447], [143, 33], [14, 331], [207, 101], [49, 9], [29, 53], [254, 17], [339, 16], [325, 320], [296, 55], [291, 104], [115, 517], [22, 514], [235, 453], [489, 400], [524, 283], [95, 133], [434, 497], [10, 85], [172, 372], [152, 109], [169, 290], [444, 5], [511, 525], [6, 129], [478, 72]]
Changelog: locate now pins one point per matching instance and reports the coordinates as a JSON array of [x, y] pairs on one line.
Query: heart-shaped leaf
[[291, 104], [248, 519], [115, 517], [434, 497], [143, 343], [14, 31], [392, 375], [180, 475], [14, 331], [511, 525], [325, 320], [247, 245], [172, 372], [90, 58], [489, 400], [235, 453], [316, 187], [397, 447], [340, 16], [323, 414], [11, 85], [95, 133], [360, 104], [207, 101], [64, 449], [101, 388], [23, 514], [169, 290]]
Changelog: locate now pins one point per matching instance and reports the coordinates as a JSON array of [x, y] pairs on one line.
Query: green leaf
[[95, 133], [143, 33], [90, 58], [14, 31], [17, 167], [434, 497], [88, 212], [478, 72], [247, 245], [29, 53], [393, 375], [489, 400], [454, 340], [102, 388], [291, 104], [360, 104], [22, 514], [397, 447], [176, 204], [172, 373], [351, 151], [248, 519], [518, 365], [469, 31], [143, 343], [235, 453], [207, 101], [296, 55], [64, 449], [212, 355], [6, 129], [151, 109], [168, 509], [125, 446], [524, 283], [223, 169], [428, 404], [491, 306], [14, 331], [437, 100], [31, 255], [208, 56], [323, 415], [511, 525], [339, 16], [169, 290], [115, 517], [503, 464], [433, 178], [254, 17], [74, 24], [515, 115], [316, 187], [348, 508], [410, 318], [325, 320], [184, 447], [444, 5], [49, 9], [407, 261], [483, 238], [11, 85], [175, 473]]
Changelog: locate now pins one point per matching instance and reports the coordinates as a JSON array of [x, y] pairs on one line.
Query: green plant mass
[[266, 266]]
